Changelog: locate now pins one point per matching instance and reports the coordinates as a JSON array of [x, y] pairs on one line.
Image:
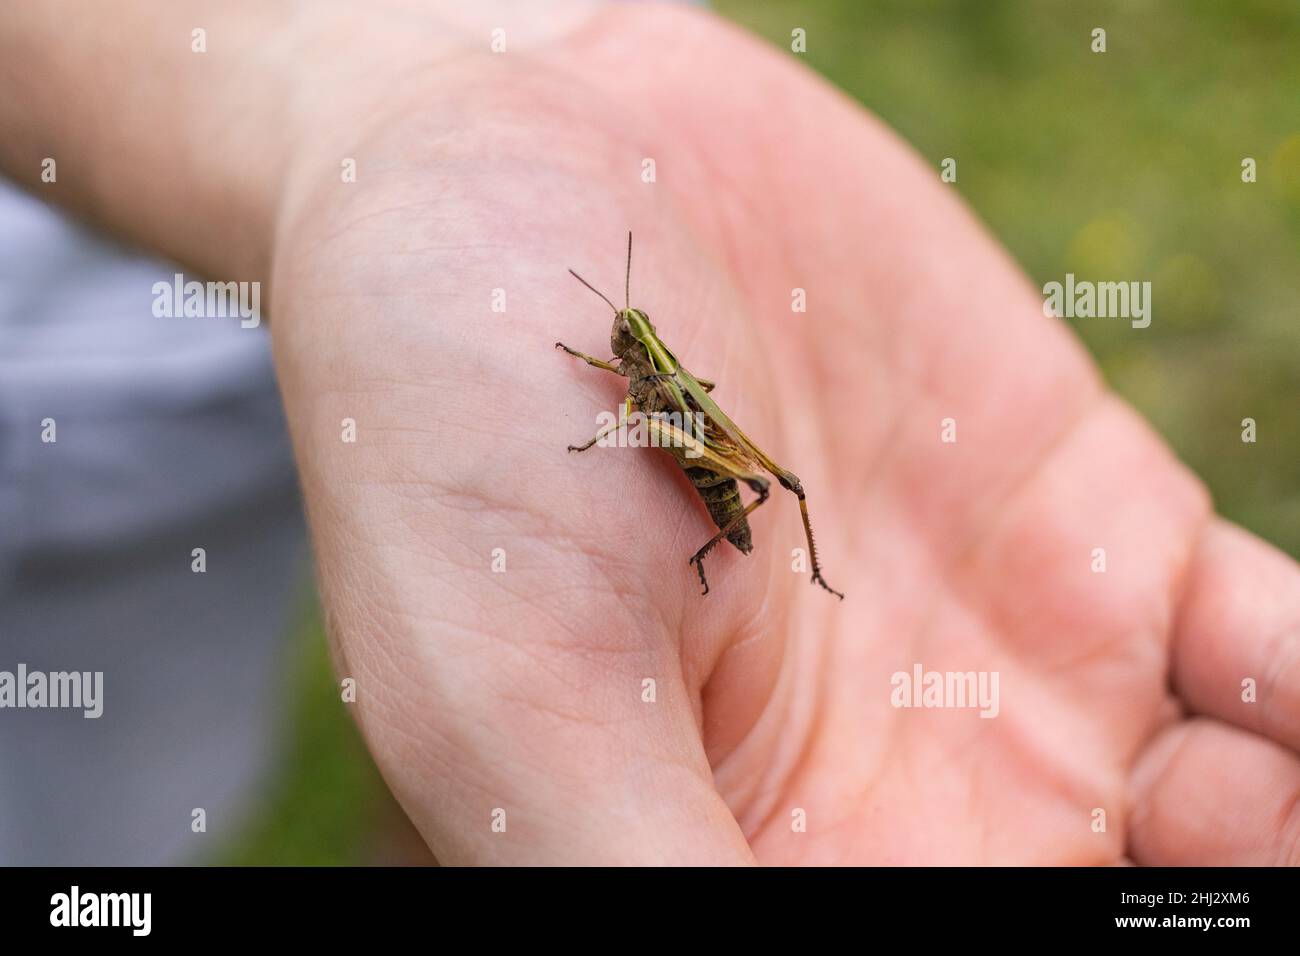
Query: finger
[[1207, 794], [1236, 652]]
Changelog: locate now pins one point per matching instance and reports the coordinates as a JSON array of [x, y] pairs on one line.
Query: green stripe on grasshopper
[[664, 361]]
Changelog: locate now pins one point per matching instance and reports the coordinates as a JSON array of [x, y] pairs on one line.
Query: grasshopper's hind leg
[[760, 486], [790, 482]]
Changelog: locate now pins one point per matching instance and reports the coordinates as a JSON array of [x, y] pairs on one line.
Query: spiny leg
[[790, 482], [758, 485], [589, 359]]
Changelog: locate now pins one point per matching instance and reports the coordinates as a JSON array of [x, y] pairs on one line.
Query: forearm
[[204, 155], [179, 150]]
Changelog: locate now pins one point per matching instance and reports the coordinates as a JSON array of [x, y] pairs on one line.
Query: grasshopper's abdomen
[[722, 497]]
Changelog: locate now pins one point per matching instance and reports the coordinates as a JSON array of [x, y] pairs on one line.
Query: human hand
[[523, 690]]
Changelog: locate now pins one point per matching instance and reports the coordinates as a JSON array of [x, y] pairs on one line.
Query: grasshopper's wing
[[685, 393], [725, 439], [713, 452], [723, 431]]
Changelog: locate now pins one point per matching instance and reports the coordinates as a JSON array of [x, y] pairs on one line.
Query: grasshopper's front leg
[[590, 359]]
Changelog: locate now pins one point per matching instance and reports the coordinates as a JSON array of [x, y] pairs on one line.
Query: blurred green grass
[[327, 805], [1122, 165]]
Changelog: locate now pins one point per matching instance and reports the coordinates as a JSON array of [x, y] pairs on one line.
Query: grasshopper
[[714, 462]]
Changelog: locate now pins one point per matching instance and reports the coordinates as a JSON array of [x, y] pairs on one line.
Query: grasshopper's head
[[632, 329], [633, 334]]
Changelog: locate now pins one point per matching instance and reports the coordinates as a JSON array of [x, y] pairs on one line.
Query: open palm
[[538, 675]]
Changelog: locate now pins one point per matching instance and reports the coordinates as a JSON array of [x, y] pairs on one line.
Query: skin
[[523, 690]]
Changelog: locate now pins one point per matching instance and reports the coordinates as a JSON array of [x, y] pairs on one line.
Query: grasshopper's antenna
[[627, 287], [593, 289]]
